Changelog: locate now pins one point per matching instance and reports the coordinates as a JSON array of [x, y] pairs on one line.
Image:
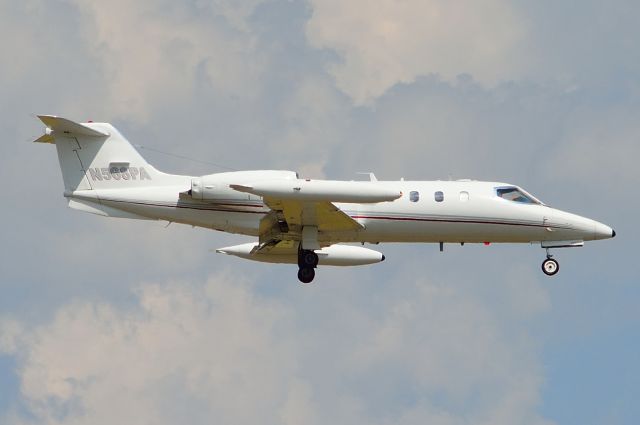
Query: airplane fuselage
[[303, 221], [428, 211]]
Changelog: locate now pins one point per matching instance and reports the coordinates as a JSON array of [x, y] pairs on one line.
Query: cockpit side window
[[515, 195]]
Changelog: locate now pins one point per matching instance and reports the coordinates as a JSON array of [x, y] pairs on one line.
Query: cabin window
[[464, 196], [414, 196], [515, 195], [439, 196]]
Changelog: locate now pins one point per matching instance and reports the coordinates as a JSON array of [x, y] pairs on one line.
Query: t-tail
[[95, 157]]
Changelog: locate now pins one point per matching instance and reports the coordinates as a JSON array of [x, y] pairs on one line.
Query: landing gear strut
[[550, 266], [307, 262]]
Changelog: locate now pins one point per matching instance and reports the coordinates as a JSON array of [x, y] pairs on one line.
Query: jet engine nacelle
[[213, 187], [320, 190], [334, 255]]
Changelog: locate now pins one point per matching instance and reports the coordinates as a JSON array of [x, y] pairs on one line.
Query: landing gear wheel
[[306, 274], [308, 259], [550, 266]]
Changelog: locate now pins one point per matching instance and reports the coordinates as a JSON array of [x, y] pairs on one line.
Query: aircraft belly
[[447, 229], [340, 236], [241, 222]]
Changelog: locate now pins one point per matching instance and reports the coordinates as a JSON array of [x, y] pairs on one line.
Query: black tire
[[550, 267], [306, 274], [308, 259]]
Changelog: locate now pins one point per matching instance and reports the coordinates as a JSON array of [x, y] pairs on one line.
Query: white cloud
[[598, 141], [386, 42], [424, 351], [153, 53], [179, 349], [315, 117], [235, 12], [219, 350], [10, 331], [451, 344], [298, 407]]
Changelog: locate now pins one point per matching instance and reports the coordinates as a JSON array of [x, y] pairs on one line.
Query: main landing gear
[[307, 262], [550, 266]]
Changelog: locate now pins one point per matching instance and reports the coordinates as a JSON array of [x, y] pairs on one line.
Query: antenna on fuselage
[[184, 157], [372, 177]]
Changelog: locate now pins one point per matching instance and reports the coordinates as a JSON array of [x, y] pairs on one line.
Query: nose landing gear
[[307, 262], [550, 266]]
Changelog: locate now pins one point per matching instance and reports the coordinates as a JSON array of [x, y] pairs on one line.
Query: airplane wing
[[287, 219], [322, 214], [299, 205]]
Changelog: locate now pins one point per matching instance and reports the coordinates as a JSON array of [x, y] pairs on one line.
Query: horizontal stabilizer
[[45, 138], [63, 125]]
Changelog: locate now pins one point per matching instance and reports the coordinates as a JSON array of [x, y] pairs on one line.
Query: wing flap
[[325, 215], [276, 247]]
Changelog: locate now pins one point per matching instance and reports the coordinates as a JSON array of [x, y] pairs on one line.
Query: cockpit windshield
[[516, 195]]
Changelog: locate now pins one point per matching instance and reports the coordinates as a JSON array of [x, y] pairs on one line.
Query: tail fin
[[96, 156]]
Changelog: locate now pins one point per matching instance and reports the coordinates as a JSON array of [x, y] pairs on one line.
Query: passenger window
[[464, 196], [414, 196], [439, 196]]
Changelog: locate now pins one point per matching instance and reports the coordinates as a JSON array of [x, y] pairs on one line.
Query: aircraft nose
[[602, 231]]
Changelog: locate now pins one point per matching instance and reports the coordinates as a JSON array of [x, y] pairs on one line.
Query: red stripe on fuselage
[[447, 220]]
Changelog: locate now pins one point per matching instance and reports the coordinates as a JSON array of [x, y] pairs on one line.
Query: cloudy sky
[[113, 321]]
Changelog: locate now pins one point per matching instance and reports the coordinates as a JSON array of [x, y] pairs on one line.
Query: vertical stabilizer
[[96, 156]]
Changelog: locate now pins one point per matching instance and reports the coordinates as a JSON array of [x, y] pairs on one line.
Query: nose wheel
[[307, 262], [550, 266]]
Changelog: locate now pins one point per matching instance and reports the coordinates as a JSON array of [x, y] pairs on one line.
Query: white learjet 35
[[302, 221]]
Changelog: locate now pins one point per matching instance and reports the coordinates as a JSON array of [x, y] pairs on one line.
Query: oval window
[[439, 196], [464, 196], [414, 196]]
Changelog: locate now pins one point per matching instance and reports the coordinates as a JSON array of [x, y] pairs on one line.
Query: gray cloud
[[423, 337], [387, 42], [190, 350]]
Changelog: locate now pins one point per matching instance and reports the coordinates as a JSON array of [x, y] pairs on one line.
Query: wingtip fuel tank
[[334, 255]]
